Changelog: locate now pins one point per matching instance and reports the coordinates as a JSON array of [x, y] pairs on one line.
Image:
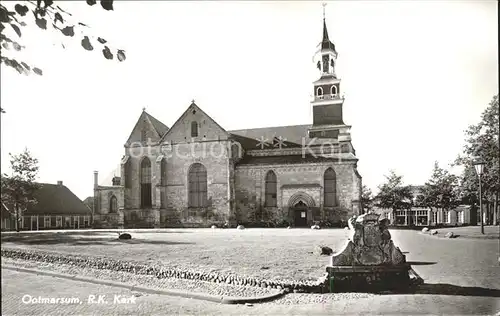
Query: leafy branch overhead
[[47, 15]]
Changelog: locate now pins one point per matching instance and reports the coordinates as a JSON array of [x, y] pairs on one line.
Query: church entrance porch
[[300, 214]]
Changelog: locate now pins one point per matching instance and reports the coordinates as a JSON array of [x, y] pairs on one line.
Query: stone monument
[[369, 260]]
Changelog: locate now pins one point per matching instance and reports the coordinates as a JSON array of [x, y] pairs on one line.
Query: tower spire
[[325, 42]]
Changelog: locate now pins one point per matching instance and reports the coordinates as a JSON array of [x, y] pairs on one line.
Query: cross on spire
[[324, 5], [192, 101], [144, 109]]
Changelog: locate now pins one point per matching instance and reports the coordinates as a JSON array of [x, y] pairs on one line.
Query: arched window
[[146, 199], [319, 91], [333, 90], [113, 205], [194, 129], [271, 190], [197, 179], [163, 180], [330, 187]]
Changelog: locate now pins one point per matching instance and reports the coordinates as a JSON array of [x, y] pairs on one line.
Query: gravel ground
[[329, 298], [195, 286], [187, 285]]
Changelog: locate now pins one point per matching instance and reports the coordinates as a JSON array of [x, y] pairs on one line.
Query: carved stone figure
[[369, 243]]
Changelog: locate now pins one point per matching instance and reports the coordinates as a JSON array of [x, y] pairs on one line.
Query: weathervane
[[324, 5], [144, 109]]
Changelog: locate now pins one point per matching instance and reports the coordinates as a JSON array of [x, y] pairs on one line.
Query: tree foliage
[[441, 191], [367, 199], [47, 16], [19, 188], [481, 142], [394, 194]]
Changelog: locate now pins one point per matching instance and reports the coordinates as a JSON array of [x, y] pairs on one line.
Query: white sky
[[415, 74]]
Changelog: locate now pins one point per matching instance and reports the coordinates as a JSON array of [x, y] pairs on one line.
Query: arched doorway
[[300, 214]]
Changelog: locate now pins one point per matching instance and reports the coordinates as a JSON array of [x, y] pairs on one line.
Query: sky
[[414, 74]]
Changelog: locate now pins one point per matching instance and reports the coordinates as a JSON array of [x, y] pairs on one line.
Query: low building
[[419, 215], [56, 208]]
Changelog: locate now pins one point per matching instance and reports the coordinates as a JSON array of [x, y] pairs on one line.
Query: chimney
[[96, 177], [60, 183]]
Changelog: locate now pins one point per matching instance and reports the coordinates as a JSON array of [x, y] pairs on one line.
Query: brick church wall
[[292, 179], [217, 166]]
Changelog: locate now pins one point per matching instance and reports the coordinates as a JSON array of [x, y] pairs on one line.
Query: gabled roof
[[197, 108], [54, 199], [160, 128]]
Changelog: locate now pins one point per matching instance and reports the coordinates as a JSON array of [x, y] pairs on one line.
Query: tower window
[[333, 90], [194, 129], [319, 91]]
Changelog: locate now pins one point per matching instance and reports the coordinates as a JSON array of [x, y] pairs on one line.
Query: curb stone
[[198, 296]]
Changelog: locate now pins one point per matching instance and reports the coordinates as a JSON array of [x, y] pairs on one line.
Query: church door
[[146, 199], [300, 214]]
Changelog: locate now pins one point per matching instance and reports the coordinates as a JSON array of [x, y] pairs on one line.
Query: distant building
[[57, 208], [424, 216]]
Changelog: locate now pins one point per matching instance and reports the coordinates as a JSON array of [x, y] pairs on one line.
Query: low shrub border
[[319, 286]]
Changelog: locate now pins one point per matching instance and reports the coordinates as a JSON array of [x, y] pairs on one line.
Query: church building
[[195, 173]]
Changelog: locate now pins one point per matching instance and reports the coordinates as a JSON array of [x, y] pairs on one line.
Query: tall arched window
[[163, 177], [146, 199], [271, 189], [113, 205], [194, 129], [197, 178], [330, 187]]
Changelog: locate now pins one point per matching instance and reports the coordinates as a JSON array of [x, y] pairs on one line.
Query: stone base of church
[[109, 221], [148, 218]]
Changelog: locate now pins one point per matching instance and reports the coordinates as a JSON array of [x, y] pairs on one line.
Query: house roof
[[54, 199]]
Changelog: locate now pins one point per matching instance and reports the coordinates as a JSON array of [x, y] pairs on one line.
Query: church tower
[[327, 103]]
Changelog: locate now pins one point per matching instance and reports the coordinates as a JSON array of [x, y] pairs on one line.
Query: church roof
[[160, 128], [292, 135], [307, 158]]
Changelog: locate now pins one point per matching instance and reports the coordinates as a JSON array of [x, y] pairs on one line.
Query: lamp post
[[479, 165]]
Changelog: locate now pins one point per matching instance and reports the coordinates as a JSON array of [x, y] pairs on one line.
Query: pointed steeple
[[326, 43]]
